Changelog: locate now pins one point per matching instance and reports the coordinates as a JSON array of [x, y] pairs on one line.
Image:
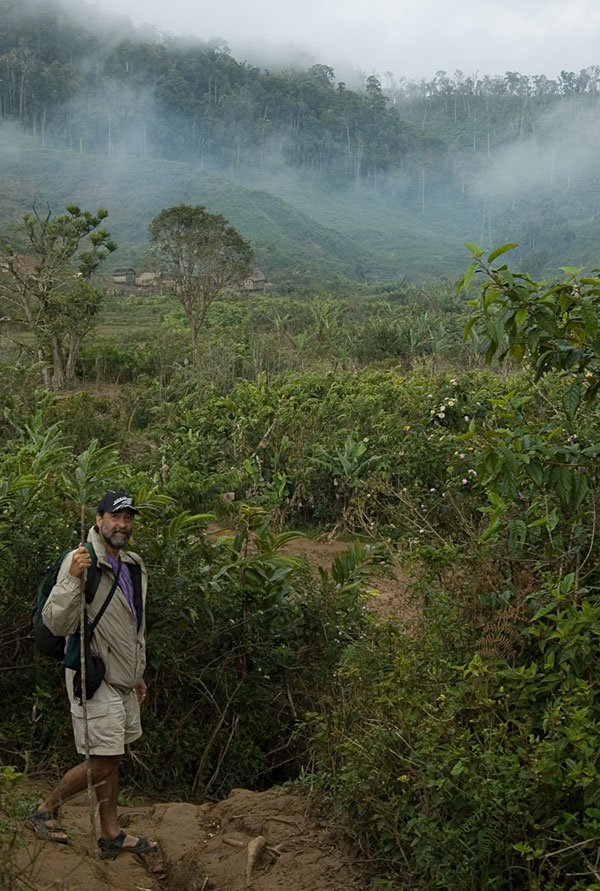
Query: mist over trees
[[177, 99], [111, 90], [505, 157]]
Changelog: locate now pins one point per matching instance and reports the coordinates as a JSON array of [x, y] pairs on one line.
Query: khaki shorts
[[113, 719]]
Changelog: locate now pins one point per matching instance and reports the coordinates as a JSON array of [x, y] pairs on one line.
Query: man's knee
[[103, 765]]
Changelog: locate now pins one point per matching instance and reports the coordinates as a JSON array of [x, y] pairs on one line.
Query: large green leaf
[[473, 248], [589, 315], [535, 472], [579, 492], [468, 276], [562, 480], [572, 399], [521, 316], [571, 271], [501, 250]]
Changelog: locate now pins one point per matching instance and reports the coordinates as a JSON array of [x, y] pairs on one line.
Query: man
[[114, 710]]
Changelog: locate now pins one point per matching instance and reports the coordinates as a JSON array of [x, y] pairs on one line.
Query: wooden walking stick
[[86, 735], [94, 467]]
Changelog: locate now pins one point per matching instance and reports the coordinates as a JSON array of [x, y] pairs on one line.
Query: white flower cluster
[[441, 411], [471, 474]]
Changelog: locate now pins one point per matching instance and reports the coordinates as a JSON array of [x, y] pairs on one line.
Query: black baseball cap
[[113, 502]]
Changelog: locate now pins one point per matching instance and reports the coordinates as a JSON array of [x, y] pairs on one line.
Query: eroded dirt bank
[[260, 841]]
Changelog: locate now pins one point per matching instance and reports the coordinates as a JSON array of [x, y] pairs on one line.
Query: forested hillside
[[361, 238], [405, 170]]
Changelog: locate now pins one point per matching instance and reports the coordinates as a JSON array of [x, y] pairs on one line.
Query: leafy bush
[[463, 751], [307, 426], [465, 754], [239, 638], [12, 877]]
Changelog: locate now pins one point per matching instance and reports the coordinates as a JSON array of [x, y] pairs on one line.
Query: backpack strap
[[135, 574], [73, 650], [94, 574], [109, 597]]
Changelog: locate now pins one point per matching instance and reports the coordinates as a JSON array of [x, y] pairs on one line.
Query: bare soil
[[390, 596], [251, 841]]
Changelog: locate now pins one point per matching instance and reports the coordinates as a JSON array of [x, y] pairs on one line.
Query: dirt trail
[[389, 585], [207, 847]]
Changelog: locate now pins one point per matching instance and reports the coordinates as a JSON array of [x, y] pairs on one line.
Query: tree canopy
[[49, 289], [203, 255]]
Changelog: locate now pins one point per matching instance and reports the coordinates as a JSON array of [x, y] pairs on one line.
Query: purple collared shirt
[[125, 583]]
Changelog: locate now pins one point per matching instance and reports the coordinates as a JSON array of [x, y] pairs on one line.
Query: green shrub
[[12, 877]]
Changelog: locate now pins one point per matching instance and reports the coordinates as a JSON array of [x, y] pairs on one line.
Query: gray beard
[[115, 539]]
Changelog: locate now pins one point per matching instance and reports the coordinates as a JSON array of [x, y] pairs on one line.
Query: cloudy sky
[[406, 38]]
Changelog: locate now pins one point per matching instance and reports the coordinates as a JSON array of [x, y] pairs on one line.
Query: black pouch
[[94, 665], [94, 675]]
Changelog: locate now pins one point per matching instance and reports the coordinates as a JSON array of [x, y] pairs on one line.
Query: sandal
[[38, 821], [111, 848]]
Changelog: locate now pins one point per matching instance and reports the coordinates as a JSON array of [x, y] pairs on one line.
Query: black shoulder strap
[[93, 575], [135, 573], [109, 597]]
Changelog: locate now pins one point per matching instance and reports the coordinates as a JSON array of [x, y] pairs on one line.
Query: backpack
[[44, 640]]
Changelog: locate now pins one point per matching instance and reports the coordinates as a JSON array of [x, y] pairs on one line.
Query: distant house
[[124, 277], [256, 283], [146, 278]]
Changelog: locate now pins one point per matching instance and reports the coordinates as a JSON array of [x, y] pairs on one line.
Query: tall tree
[[203, 255], [49, 291]]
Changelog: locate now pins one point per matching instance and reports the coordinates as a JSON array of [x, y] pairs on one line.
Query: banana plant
[[96, 468], [28, 470], [262, 577], [258, 566], [351, 569], [163, 545], [348, 465], [326, 314]]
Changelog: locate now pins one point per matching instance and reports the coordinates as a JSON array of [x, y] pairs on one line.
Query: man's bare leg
[[105, 779], [104, 771], [106, 793]]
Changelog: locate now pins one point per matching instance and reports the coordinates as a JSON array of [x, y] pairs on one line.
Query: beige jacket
[[116, 638]]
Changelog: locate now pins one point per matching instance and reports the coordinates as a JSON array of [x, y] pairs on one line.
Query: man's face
[[116, 528]]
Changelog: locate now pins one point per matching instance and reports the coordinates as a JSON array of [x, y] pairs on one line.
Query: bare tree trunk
[[195, 347], [22, 90], [45, 371], [72, 358], [58, 364]]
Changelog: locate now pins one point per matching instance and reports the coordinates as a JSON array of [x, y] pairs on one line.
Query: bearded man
[[113, 712]]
